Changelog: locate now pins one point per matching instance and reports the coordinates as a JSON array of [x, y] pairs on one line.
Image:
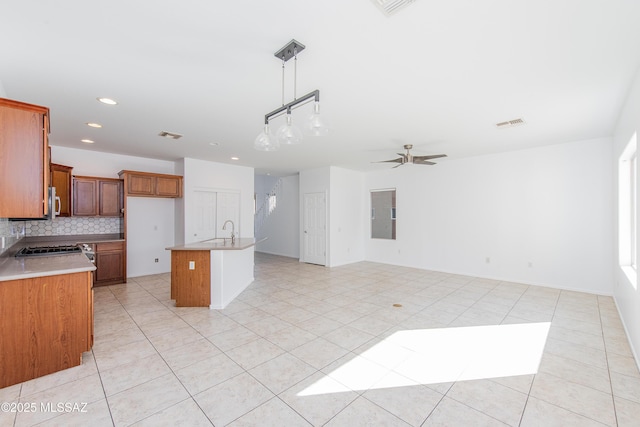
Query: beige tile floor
[[308, 345]]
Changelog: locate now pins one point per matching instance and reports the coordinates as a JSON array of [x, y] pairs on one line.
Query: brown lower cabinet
[[110, 263], [47, 323]]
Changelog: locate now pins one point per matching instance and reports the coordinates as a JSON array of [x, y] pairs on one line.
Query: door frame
[[326, 227]]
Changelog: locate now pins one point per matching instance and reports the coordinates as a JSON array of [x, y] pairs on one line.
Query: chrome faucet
[[233, 230]]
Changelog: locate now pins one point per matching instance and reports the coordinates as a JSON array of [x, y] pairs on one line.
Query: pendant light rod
[[287, 107]]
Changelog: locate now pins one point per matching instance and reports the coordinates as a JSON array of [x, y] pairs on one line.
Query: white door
[[228, 209], [205, 215], [314, 229]]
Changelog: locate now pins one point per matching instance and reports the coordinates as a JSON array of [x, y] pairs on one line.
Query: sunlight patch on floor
[[431, 356]]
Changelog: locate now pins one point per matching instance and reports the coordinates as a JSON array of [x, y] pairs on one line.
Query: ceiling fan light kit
[[288, 133]]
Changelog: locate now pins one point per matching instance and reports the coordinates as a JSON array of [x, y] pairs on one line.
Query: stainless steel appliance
[[89, 252]]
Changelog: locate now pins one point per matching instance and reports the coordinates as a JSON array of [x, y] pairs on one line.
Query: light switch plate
[[192, 265]]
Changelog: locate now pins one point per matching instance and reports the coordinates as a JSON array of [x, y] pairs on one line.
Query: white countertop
[[216, 245], [12, 268]]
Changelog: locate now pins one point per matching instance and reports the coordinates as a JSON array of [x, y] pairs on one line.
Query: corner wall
[[282, 227], [202, 174], [150, 221], [538, 216], [626, 293], [348, 226]]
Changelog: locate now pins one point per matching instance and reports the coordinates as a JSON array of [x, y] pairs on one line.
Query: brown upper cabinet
[[24, 160], [145, 184], [93, 196], [62, 179]]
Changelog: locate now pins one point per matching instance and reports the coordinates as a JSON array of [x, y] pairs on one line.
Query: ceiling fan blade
[[398, 160], [422, 162], [435, 156]]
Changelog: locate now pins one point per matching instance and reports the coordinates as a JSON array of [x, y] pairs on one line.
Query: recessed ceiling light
[[87, 141], [235, 158], [107, 101], [94, 125]]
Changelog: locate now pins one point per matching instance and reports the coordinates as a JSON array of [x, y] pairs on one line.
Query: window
[[383, 226], [633, 209], [273, 201], [628, 210]]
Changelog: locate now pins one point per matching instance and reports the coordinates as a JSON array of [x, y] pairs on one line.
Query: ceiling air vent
[[510, 123], [389, 7], [170, 135]]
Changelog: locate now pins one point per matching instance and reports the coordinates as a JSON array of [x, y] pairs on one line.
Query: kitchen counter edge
[[12, 268], [215, 245]]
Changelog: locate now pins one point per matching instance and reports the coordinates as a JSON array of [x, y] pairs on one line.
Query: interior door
[[314, 229], [228, 208], [205, 215]]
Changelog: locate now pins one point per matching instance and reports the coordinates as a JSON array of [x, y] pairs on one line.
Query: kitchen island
[[211, 273]]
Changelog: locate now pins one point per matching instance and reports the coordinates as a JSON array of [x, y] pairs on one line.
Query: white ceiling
[[439, 74]]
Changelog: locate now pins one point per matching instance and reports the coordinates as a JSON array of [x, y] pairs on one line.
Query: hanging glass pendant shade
[[288, 133], [266, 141], [316, 125]]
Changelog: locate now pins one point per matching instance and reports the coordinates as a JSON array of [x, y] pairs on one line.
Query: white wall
[[540, 216], [345, 198], [347, 230], [150, 229], [282, 227], [94, 163], [201, 174], [150, 221], [627, 296]]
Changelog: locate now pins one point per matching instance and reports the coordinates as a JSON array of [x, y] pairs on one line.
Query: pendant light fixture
[[288, 133]]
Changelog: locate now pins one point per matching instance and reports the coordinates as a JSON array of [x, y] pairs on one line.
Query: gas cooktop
[[49, 250]]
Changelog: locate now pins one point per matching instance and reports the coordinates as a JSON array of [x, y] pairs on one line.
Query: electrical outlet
[[156, 260], [192, 265]]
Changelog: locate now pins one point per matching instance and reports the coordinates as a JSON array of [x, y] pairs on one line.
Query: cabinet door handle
[[59, 205]]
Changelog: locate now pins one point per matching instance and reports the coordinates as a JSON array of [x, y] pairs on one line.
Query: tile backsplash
[[62, 226], [12, 231], [9, 233]]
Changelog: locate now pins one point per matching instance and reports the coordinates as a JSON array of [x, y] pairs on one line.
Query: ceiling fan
[[409, 158]]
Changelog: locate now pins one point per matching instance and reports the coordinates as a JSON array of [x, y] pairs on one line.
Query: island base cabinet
[[47, 323], [191, 278]]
